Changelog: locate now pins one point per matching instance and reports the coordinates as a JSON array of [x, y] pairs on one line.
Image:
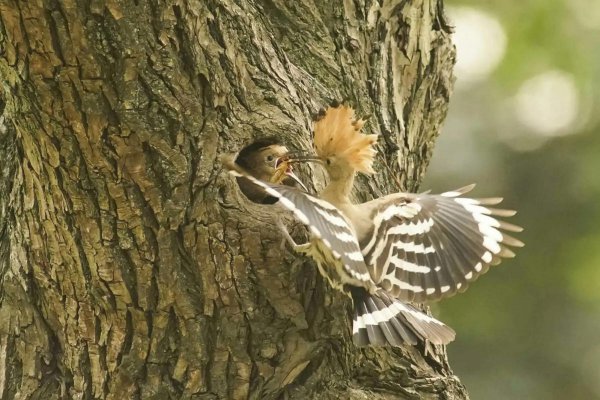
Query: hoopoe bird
[[259, 159], [393, 250]]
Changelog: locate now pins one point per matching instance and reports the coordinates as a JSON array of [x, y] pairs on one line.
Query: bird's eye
[[328, 161], [270, 157]]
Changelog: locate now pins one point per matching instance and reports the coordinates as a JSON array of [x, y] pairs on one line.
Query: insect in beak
[[283, 166]]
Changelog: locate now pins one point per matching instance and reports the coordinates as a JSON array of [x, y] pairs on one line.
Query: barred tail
[[381, 320]]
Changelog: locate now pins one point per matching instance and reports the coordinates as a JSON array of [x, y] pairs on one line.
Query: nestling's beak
[[283, 164]]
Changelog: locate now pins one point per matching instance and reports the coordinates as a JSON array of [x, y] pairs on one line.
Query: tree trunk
[[130, 266]]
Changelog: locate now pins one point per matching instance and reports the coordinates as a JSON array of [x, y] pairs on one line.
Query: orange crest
[[337, 134]]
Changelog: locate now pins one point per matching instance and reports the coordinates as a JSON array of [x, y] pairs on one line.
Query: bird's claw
[[286, 235]]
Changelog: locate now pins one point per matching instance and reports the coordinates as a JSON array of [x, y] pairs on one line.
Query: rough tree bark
[[130, 266]]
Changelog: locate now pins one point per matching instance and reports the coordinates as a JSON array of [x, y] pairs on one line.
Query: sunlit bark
[[130, 266]]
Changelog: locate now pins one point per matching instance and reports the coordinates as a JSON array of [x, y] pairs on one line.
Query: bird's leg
[[300, 248], [284, 231]]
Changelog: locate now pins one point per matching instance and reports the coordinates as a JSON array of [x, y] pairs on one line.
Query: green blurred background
[[524, 123]]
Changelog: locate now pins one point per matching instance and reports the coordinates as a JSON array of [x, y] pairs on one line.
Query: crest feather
[[338, 134]]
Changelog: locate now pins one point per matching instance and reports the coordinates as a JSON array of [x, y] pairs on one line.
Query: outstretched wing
[[426, 247], [326, 223]]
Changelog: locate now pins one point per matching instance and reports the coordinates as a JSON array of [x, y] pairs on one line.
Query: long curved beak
[[287, 170], [292, 175], [302, 157]]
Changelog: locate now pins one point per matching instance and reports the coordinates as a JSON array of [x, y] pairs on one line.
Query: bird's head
[[261, 159], [260, 156], [339, 144]]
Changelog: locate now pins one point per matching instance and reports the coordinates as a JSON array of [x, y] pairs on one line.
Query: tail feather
[[381, 320], [390, 330], [382, 331], [374, 331]]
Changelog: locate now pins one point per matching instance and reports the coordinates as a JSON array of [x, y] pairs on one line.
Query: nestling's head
[[258, 158]]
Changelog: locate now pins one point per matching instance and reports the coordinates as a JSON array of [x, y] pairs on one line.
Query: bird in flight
[[391, 251]]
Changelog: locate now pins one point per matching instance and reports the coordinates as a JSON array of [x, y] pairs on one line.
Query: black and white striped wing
[[324, 221], [427, 247]]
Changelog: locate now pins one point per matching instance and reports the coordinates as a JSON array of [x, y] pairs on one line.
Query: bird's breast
[[330, 267]]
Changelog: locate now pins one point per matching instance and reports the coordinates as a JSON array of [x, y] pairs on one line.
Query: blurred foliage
[[530, 328]]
